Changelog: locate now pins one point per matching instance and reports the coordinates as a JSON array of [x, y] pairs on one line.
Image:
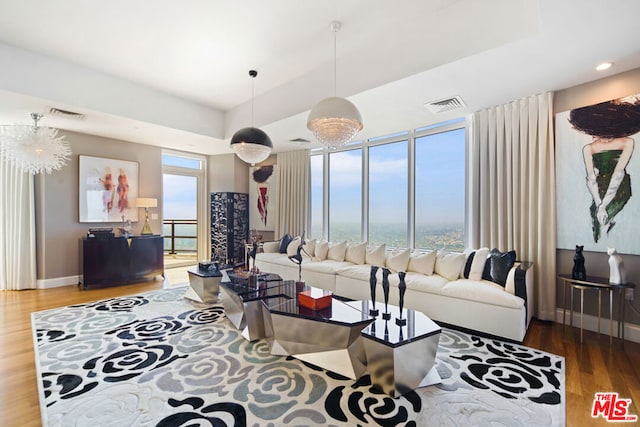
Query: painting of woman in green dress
[[610, 125]]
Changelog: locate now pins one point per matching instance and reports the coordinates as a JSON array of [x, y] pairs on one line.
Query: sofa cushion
[[271, 247], [474, 266], [498, 266], [482, 291], [362, 272], [375, 255], [422, 283], [270, 256], [337, 251], [292, 247], [327, 266], [284, 242], [322, 249], [449, 264], [422, 262], [356, 252], [310, 248], [398, 260]]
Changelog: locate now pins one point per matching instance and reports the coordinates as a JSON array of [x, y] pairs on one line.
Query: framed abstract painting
[[263, 197], [596, 170], [108, 190]]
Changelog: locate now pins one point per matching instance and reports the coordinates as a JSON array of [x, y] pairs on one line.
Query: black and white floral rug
[[157, 359]]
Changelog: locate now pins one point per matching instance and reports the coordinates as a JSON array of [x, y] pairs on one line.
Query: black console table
[[120, 260]]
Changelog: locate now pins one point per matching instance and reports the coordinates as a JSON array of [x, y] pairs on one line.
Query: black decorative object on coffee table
[[372, 285], [385, 290], [297, 258], [402, 288]]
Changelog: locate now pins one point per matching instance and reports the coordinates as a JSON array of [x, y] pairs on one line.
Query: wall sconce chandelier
[[34, 149], [251, 144], [334, 121]]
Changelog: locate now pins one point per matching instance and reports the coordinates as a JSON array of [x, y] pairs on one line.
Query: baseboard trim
[[631, 330], [57, 282]]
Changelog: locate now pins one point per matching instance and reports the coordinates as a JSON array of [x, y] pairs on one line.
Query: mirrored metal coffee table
[[400, 358], [329, 338], [243, 304]]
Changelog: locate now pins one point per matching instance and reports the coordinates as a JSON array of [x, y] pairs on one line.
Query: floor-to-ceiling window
[[317, 194], [439, 190], [406, 189], [345, 195], [388, 190]]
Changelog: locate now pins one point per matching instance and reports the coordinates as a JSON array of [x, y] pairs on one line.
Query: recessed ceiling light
[[604, 66]]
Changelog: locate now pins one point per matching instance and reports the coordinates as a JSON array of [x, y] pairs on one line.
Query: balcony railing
[[180, 236]]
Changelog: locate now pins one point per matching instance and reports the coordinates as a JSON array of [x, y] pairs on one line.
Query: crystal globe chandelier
[[334, 121], [34, 149], [251, 144]]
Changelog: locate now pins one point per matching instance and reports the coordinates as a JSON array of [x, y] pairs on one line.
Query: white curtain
[[294, 170], [17, 228], [512, 188]]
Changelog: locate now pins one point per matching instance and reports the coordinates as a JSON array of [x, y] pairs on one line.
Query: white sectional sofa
[[452, 288]]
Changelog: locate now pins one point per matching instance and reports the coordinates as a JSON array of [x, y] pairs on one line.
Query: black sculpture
[[372, 285], [385, 290], [252, 254], [402, 288], [297, 258], [578, 272]]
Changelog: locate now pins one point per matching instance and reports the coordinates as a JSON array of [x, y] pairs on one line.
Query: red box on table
[[315, 299]]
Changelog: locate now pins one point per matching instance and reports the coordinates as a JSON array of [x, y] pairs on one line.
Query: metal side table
[[599, 284]]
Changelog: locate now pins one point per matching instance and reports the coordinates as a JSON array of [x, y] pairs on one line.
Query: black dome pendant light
[[251, 144]]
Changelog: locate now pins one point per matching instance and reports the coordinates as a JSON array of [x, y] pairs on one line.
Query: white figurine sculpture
[[616, 267]]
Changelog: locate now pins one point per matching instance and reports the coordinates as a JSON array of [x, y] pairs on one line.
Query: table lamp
[[146, 203]]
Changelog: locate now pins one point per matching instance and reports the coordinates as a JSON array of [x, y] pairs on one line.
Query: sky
[[440, 175], [179, 192]]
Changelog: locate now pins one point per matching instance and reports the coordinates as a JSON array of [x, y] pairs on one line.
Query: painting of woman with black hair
[[606, 158]]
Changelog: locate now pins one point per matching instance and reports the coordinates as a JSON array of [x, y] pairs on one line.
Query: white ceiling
[[175, 74]]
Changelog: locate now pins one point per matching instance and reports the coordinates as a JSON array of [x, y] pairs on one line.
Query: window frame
[[411, 137]]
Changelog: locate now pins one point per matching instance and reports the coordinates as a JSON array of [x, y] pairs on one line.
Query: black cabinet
[[121, 260]]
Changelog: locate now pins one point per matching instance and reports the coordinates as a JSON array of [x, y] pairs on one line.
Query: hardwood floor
[[591, 367]]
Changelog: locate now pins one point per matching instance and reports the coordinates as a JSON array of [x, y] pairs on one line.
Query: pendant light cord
[[253, 74], [335, 61], [253, 86]]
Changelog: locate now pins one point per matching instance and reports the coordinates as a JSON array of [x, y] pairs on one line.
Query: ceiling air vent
[[447, 104], [66, 114], [300, 141]]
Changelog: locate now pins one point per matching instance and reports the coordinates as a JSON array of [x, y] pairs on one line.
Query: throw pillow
[[284, 242], [337, 251], [292, 247], [474, 267], [500, 263], [310, 248], [375, 255], [449, 265], [356, 252], [322, 249], [467, 264], [271, 247], [398, 260], [422, 262]]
